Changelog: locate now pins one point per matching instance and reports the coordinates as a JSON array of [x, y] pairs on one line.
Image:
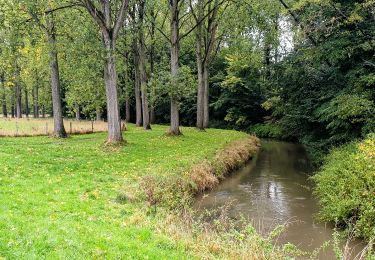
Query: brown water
[[274, 189]]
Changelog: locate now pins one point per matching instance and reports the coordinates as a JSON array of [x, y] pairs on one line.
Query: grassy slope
[[58, 197]]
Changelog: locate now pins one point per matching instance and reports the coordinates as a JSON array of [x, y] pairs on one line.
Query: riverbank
[[345, 187], [76, 198]]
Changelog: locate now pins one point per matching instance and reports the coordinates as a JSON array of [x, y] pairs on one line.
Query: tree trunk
[[206, 111], [175, 116], [98, 114], [12, 107], [4, 97], [78, 112], [36, 99], [18, 93], [59, 130], [205, 41], [26, 103], [137, 83], [142, 69], [43, 111], [200, 97], [152, 62], [127, 110], [110, 77]]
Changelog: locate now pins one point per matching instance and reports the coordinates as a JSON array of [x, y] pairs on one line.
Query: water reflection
[[274, 189]]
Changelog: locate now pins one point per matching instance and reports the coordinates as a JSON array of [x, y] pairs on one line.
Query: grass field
[[58, 198], [44, 126]]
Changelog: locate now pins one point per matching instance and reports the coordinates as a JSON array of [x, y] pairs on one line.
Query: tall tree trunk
[[59, 130], [128, 75], [142, 69], [110, 77], [12, 105], [78, 112], [4, 97], [36, 99], [175, 116], [205, 41], [98, 114], [18, 93], [200, 94], [200, 53], [206, 103], [127, 110], [152, 62], [26, 103], [110, 29], [137, 83], [43, 111]]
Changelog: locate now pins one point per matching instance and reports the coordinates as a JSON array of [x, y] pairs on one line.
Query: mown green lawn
[[58, 197]]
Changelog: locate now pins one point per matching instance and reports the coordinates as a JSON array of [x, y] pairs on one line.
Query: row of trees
[[304, 66], [137, 23]]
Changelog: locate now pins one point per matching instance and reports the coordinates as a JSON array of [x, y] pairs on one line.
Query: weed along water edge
[[274, 189]]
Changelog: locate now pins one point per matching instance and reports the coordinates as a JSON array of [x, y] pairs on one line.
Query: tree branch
[[120, 18]]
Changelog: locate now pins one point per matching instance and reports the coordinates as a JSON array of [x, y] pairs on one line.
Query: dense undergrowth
[[345, 187], [268, 130]]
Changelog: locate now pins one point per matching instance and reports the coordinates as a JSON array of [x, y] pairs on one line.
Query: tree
[[45, 19], [110, 27], [142, 67], [174, 7], [206, 19]]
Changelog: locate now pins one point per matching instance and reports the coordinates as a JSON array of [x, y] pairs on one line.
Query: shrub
[[345, 187], [267, 130]]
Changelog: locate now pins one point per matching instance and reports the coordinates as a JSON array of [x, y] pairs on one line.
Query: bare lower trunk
[[152, 114], [59, 130], [98, 114], [4, 97], [43, 111], [26, 103], [152, 63], [78, 112], [137, 83], [12, 107], [127, 110], [146, 112], [175, 117], [142, 69], [110, 77], [206, 111], [200, 94], [18, 94], [206, 41], [35, 100]]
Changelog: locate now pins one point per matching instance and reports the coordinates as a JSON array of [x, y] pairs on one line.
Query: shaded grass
[[60, 198]]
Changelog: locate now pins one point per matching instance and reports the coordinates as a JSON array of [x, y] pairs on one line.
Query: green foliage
[[345, 187], [346, 115], [268, 130]]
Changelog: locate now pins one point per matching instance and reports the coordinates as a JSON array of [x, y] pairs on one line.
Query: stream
[[274, 189]]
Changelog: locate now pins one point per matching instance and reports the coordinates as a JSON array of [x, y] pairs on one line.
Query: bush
[[345, 187], [267, 130]]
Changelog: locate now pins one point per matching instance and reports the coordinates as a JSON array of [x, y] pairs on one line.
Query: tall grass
[[26, 127]]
